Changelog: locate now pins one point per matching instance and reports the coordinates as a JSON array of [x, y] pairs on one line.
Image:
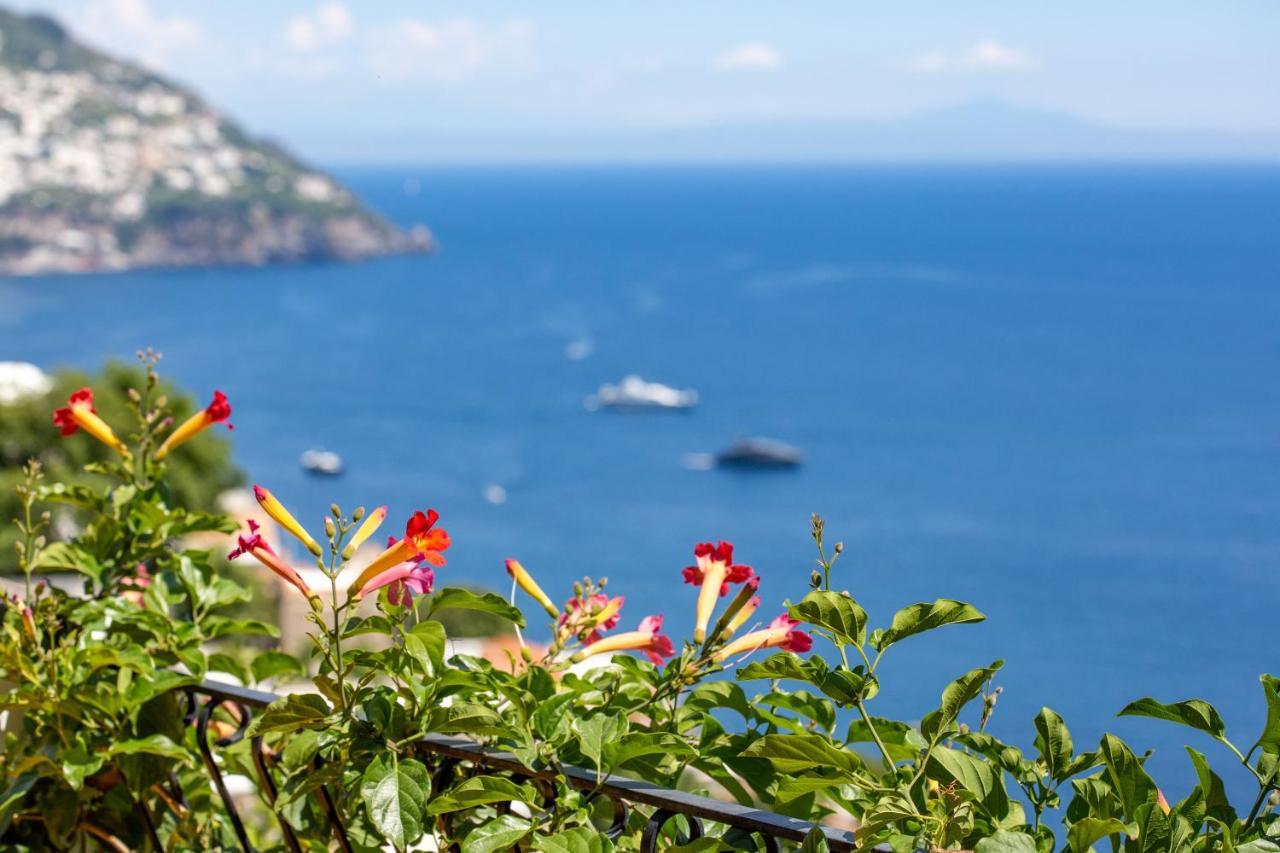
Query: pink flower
[[713, 574], [647, 638], [255, 546], [403, 582], [781, 633], [599, 613]]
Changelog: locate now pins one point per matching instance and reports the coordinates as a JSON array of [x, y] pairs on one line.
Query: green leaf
[[456, 598], [1196, 713], [639, 744], [12, 798], [1269, 740], [835, 611], [1004, 841], [1053, 741], [479, 791], [579, 839], [780, 665], [1258, 845], [426, 642], [394, 795], [886, 812], [290, 713], [1131, 783], [955, 696], [151, 745], [1084, 833], [78, 764], [1216, 803], [501, 833], [721, 694], [467, 718], [273, 664], [814, 842], [901, 740], [921, 617], [793, 787], [801, 753], [974, 775], [225, 663], [597, 732], [849, 686]]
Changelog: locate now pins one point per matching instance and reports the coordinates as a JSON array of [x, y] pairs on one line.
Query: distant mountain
[[987, 130], [104, 165]]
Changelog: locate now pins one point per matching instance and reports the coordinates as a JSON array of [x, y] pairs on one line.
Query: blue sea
[[1051, 391]]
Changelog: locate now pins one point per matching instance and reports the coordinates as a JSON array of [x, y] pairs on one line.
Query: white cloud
[[985, 55], [326, 25], [130, 28], [751, 56], [990, 53], [449, 49]]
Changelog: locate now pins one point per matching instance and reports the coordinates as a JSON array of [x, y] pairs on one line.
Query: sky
[[399, 80]]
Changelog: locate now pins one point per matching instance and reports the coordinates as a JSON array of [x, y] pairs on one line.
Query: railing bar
[[634, 790]]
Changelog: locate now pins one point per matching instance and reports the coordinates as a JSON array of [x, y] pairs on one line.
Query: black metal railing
[[455, 755]]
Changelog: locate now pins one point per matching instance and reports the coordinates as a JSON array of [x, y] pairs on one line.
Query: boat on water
[[755, 452], [635, 394], [323, 462]]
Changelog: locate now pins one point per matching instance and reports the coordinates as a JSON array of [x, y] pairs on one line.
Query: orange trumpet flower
[[79, 414], [647, 638], [257, 547], [780, 633], [364, 531], [422, 541], [285, 519], [216, 412], [530, 586]]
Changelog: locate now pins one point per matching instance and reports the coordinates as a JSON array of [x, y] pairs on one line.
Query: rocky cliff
[[106, 166]]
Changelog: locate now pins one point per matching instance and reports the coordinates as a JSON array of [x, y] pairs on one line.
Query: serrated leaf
[[1124, 771], [814, 842], [579, 839], [639, 744], [273, 664], [290, 713], [456, 598], [479, 791], [901, 740], [394, 793], [780, 665], [955, 696], [1269, 740], [1053, 741], [925, 616], [425, 642], [597, 732], [800, 753], [501, 833], [1084, 833], [151, 745], [835, 611], [1196, 713], [974, 775], [1004, 841], [467, 718]]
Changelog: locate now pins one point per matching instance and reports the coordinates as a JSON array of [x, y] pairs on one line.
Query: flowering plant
[[98, 680], [93, 664]]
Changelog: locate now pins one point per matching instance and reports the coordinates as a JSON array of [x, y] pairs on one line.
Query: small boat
[[323, 462], [634, 394], [759, 453]]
